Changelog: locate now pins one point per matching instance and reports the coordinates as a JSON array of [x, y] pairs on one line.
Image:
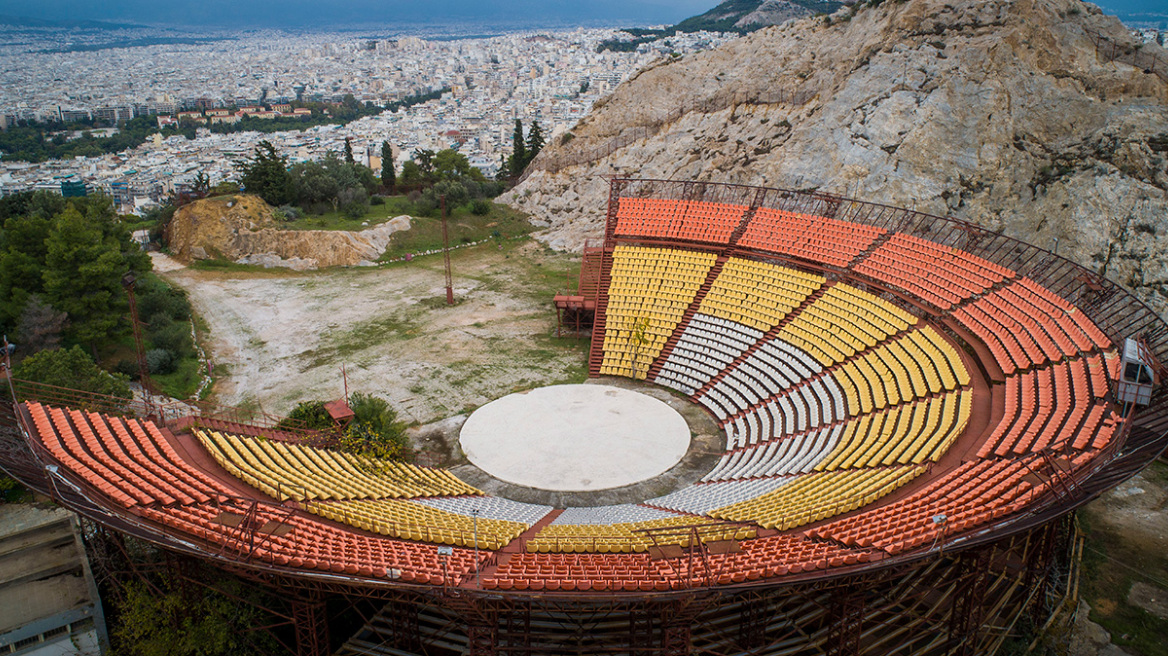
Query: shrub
[[480, 207], [160, 361]]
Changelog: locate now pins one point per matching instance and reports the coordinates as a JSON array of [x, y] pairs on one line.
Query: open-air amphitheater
[[913, 407]]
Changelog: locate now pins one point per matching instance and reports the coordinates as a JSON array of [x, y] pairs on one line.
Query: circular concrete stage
[[575, 437]]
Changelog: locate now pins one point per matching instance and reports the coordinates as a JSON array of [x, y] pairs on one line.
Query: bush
[[158, 301], [480, 207], [308, 414], [377, 200], [127, 368], [172, 336], [159, 361], [291, 212], [375, 431]]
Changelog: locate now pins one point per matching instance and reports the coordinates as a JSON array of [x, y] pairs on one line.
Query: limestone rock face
[[1038, 118], [242, 229]]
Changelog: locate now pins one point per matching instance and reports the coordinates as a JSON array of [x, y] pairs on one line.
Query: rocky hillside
[[750, 15], [242, 229], [1039, 118]]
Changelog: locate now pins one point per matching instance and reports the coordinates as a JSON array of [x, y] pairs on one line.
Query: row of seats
[[788, 456], [814, 238], [408, 520], [772, 367], [687, 220], [974, 493], [625, 513], [631, 537], [759, 558], [291, 540], [1052, 406], [817, 496], [638, 319], [807, 405], [910, 366], [905, 434], [1023, 327], [128, 460], [291, 471], [915, 265], [758, 294], [707, 346], [489, 508], [702, 498], [843, 322]]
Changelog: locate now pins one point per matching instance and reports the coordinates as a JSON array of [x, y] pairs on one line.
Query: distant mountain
[[744, 16], [24, 21]]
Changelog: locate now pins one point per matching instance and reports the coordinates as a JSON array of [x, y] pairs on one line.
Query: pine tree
[[83, 273], [534, 142], [388, 175], [349, 150], [518, 150], [266, 175]]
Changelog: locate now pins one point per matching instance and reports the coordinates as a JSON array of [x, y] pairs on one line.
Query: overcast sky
[[325, 13], [316, 12]]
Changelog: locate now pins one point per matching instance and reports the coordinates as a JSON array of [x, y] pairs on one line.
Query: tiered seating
[[415, 521], [939, 275], [290, 471], [906, 434], [758, 294], [700, 499], [796, 454], [814, 238], [707, 346], [771, 368], [1046, 407], [843, 322], [128, 460], [688, 220], [609, 535], [974, 493], [650, 291], [816, 496], [911, 366], [759, 558], [489, 507], [805, 406], [316, 545], [1025, 325]]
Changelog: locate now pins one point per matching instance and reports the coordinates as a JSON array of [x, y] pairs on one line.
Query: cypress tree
[[518, 150], [388, 175], [348, 150], [534, 142]]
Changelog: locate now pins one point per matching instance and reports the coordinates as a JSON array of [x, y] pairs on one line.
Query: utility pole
[[446, 255]]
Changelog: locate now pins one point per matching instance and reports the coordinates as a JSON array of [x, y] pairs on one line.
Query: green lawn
[[394, 206], [502, 223]]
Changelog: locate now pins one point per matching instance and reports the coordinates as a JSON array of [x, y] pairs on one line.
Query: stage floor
[[575, 437]]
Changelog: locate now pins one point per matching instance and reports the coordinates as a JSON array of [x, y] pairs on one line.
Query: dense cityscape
[[486, 84]]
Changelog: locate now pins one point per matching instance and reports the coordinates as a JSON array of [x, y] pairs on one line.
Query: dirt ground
[[278, 337]]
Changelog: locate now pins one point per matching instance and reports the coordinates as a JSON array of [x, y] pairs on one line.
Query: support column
[[310, 618]]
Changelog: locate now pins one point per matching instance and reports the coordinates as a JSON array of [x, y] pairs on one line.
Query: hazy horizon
[[314, 13], [302, 14]]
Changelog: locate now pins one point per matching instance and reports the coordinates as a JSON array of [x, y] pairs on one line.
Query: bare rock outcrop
[[242, 229], [1043, 119]]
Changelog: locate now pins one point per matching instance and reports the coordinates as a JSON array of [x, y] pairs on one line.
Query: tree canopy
[[72, 369], [518, 150], [266, 175], [72, 253]]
